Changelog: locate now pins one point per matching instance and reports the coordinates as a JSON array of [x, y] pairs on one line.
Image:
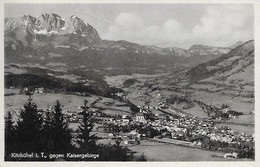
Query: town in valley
[[132, 102]]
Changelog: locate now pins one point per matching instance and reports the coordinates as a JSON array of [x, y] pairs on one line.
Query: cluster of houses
[[184, 128], [27, 91]]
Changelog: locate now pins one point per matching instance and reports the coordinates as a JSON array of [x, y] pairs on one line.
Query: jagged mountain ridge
[[48, 24], [48, 38]]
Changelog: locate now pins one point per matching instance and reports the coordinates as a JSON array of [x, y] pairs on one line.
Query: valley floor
[[156, 151], [154, 94]]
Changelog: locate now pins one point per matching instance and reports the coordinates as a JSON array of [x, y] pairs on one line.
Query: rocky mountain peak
[[29, 18], [75, 25], [24, 22], [50, 22]]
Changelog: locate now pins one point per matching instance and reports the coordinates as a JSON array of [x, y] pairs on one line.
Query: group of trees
[[38, 131], [178, 99], [244, 150], [215, 112], [98, 87]]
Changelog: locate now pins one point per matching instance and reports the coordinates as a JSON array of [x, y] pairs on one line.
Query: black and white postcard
[[144, 82]]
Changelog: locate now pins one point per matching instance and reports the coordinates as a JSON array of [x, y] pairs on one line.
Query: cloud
[[132, 28], [221, 25], [126, 25], [129, 21]]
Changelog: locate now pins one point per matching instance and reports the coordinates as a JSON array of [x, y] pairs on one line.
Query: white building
[[139, 117]]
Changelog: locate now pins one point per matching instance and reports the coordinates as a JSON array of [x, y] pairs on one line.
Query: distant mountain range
[[237, 65], [72, 42]]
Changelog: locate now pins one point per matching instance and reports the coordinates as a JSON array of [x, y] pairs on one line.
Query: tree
[[60, 132], [9, 134], [134, 108], [86, 141], [47, 134], [120, 152], [29, 128], [142, 158]]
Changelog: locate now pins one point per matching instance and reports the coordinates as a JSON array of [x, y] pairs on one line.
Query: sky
[[163, 25]]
